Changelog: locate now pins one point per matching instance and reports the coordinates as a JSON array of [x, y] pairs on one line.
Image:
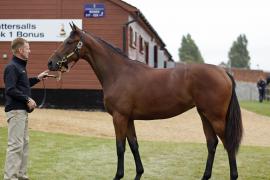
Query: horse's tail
[[234, 126]]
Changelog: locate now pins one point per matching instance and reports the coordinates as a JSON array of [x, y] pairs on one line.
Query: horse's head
[[68, 53]]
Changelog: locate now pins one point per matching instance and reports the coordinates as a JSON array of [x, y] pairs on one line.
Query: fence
[[247, 91]]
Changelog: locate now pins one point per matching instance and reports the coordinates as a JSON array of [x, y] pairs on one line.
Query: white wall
[[170, 64], [151, 55], [161, 59], [134, 53]]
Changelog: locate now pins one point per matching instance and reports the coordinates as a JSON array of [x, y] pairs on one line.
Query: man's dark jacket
[[17, 85], [261, 84]]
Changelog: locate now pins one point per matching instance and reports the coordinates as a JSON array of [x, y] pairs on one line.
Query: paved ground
[[183, 128]]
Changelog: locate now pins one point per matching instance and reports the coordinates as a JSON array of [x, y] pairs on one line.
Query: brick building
[[115, 21]]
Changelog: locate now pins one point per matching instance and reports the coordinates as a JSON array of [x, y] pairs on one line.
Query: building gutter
[[125, 28]]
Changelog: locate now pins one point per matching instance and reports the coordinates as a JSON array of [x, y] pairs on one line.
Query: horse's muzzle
[[52, 66]]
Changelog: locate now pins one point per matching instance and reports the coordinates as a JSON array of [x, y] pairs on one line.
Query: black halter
[[76, 51]]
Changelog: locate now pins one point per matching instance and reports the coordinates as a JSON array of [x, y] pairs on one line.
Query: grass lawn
[[66, 157], [257, 107]]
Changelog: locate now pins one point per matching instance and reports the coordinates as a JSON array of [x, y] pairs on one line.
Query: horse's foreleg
[[120, 126], [133, 144], [212, 142]]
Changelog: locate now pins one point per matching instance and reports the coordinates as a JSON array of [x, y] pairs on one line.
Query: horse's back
[[203, 78], [162, 93]]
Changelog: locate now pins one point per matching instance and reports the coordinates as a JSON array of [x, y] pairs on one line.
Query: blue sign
[[94, 10]]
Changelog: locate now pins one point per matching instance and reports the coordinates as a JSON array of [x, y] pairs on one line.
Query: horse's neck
[[105, 64]]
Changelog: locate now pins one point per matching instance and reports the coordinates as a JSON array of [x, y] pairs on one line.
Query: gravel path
[[183, 128]]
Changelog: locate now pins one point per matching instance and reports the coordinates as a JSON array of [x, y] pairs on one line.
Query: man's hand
[[31, 104], [43, 75]]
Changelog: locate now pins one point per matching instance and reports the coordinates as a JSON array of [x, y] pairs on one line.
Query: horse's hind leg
[[212, 142], [233, 166], [120, 123], [133, 144]]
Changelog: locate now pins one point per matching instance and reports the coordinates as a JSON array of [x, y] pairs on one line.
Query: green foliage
[[189, 52], [238, 54], [61, 157], [257, 107]]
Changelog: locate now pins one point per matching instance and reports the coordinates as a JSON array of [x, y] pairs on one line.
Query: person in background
[[17, 106], [261, 85], [268, 80]]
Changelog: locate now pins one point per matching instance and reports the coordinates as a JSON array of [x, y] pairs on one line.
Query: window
[[131, 37], [165, 64], [155, 56], [141, 44], [146, 45], [135, 39]]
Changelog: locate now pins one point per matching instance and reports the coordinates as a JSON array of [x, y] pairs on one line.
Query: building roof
[[137, 14]]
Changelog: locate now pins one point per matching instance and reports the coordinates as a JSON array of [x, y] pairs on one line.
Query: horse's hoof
[[138, 177], [206, 177], [118, 176], [234, 176]]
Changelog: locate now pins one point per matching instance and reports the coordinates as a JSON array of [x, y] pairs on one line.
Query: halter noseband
[[75, 51]]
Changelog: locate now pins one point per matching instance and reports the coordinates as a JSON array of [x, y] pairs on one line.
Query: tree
[[238, 54], [189, 52]]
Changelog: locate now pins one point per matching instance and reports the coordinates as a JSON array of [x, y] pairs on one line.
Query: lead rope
[[45, 92]]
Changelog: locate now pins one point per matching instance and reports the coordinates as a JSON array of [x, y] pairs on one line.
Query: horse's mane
[[114, 49], [109, 45]]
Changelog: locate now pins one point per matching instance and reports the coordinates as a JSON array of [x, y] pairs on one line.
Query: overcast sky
[[213, 25]]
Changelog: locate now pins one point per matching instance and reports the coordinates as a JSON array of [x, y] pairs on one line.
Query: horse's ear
[[71, 26], [74, 26]]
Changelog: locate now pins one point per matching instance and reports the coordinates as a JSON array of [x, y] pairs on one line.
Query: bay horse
[[134, 91]]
